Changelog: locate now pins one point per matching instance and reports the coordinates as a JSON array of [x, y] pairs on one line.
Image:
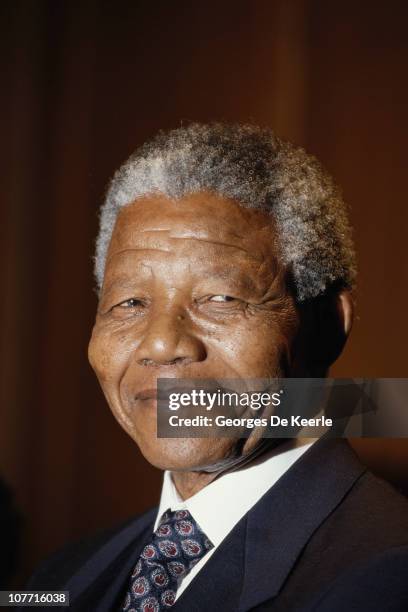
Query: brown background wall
[[85, 82]]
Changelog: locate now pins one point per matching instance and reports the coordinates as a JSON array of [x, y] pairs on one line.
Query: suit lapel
[[282, 522], [218, 584]]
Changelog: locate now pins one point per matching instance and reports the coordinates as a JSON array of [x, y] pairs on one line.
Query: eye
[[130, 307], [222, 304], [222, 298], [131, 303]]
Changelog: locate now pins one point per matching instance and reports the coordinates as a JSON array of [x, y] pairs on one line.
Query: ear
[[345, 310], [325, 324]]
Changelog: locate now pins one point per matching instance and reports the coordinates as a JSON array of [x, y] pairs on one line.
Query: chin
[[185, 454]]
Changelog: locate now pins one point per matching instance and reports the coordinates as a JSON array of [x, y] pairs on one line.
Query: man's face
[[192, 289]]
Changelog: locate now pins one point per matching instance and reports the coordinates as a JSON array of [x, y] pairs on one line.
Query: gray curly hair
[[252, 166]]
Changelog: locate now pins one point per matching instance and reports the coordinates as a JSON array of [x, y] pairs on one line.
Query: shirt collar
[[219, 506]]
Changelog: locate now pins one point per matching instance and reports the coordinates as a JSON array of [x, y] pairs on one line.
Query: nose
[[169, 340]]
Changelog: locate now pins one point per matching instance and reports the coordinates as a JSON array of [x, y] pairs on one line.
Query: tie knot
[[178, 537], [177, 522]]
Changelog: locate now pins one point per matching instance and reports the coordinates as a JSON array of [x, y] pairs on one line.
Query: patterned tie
[[176, 546]]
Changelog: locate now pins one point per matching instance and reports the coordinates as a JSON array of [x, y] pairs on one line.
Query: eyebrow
[[121, 282], [246, 281], [234, 276]]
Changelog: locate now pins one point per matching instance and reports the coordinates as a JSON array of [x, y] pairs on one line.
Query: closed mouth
[[149, 394], [146, 394]]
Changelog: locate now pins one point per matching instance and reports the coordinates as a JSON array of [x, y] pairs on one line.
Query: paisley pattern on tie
[[176, 546]]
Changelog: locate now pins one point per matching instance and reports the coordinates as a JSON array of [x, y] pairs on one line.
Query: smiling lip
[[146, 394], [149, 394]]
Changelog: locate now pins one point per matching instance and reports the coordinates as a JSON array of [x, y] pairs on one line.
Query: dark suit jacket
[[328, 536]]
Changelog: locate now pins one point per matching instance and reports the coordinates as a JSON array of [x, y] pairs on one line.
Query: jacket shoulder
[[376, 510], [377, 584], [360, 549]]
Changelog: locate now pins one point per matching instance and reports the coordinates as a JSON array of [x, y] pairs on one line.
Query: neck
[[190, 483]]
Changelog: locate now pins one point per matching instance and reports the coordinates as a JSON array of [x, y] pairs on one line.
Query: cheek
[[108, 354], [256, 347]]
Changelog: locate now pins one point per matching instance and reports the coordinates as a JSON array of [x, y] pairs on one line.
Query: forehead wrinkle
[[224, 244], [195, 233], [130, 249], [248, 252], [185, 232], [157, 249], [202, 239]]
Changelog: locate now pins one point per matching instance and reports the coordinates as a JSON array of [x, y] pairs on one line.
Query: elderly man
[[224, 252]]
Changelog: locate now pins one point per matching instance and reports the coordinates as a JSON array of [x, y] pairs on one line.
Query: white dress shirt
[[219, 506]]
